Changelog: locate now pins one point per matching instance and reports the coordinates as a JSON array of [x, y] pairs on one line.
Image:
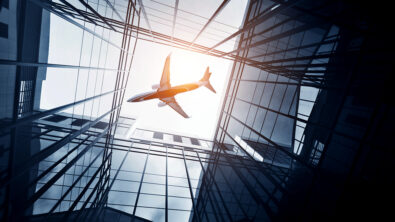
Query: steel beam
[[174, 21], [42, 114], [254, 22], [215, 14], [96, 13]]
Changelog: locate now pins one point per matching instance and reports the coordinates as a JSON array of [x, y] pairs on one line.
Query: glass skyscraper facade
[[41, 162], [300, 109], [303, 132]]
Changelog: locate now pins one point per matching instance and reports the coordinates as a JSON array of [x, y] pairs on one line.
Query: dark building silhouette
[[304, 131]]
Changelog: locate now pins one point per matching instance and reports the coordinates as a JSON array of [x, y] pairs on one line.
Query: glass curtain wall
[[56, 63], [295, 58], [295, 126]]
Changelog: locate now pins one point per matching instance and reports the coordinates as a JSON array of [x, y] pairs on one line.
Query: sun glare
[[201, 104], [187, 66]]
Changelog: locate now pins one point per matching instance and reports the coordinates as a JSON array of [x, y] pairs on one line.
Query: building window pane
[[79, 122], [55, 118], [195, 142], [158, 135], [100, 125], [3, 30], [177, 139]]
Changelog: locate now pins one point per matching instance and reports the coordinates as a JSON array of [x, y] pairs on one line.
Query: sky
[[201, 104], [185, 66]]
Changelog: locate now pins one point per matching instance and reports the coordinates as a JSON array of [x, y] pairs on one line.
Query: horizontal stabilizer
[[206, 80], [210, 87]]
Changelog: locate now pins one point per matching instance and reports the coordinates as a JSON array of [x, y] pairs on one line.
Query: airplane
[[165, 92]]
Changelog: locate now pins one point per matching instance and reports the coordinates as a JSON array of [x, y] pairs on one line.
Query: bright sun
[[187, 66]]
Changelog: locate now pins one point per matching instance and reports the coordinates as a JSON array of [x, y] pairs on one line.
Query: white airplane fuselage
[[166, 93]]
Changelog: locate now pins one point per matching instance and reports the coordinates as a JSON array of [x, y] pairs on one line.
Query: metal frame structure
[[190, 157], [22, 175], [296, 106], [273, 150]]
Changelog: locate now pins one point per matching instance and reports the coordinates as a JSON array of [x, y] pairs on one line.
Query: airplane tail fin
[[206, 80]]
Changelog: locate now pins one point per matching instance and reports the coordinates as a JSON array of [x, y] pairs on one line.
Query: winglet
[[206, 80]]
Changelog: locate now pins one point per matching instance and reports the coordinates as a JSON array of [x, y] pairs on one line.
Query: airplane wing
[[171, 101], [165, 80]]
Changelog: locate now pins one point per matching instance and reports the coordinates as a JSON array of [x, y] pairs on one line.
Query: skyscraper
[[303, 132]]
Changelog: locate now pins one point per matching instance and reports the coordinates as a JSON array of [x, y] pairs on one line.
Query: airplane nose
[[131, 99], [134, 99]]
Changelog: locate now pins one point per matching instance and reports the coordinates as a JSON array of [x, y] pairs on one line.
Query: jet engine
[[161, 104], [156, 86]]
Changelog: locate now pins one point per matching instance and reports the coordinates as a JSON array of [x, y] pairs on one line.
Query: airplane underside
[[166, 93]]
